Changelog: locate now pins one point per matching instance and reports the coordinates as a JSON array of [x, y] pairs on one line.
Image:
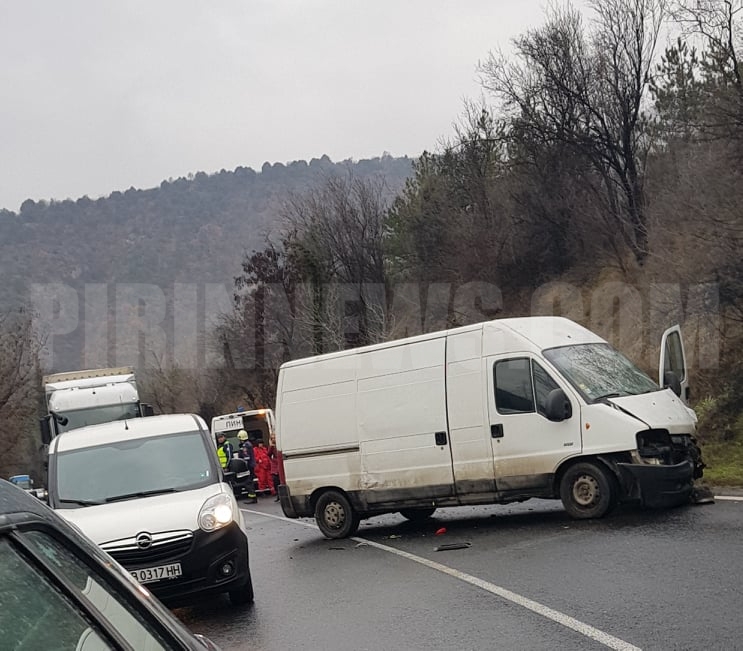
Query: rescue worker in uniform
[[246, 452], [224, 450]]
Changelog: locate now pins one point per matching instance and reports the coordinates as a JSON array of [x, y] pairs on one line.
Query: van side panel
[[401, 406], [472, 456], [318, 406], [316, 423]]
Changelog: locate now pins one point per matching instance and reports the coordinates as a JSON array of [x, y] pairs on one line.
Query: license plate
[[150, 574]]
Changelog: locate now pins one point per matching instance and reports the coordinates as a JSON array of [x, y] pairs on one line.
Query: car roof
[[122, 430]]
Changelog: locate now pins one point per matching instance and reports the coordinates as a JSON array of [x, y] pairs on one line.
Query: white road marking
[[560, 618], [729, 498]]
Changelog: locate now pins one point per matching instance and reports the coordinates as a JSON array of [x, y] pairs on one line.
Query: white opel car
[[150, 491]]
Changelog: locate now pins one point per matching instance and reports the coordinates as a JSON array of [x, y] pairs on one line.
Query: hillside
[[188, 230]]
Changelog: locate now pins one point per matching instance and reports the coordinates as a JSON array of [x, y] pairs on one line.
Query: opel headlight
[[216, 512]]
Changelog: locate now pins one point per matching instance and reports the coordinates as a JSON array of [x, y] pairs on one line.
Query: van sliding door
[[402, 426]]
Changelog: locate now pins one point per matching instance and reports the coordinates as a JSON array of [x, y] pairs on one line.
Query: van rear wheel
[[417, 515], [587, 491], [335, 516]]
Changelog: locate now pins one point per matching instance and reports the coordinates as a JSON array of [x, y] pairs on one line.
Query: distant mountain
[[189, 230]]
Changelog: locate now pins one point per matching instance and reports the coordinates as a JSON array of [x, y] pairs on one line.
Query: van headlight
[[216, 512]]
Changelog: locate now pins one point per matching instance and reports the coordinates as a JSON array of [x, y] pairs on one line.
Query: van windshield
[[132, 468], [598, 371]]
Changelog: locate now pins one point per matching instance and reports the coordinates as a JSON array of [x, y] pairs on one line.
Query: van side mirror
[[671, 380], [46, 430], [62, 420], [147, 410], [557, 406]]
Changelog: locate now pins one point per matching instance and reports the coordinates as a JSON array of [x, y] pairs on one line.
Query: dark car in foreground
[[61, 591]]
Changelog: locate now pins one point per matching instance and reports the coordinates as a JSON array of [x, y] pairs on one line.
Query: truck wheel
[[587, 491], [335, 516], [244, 594], [417, 515]]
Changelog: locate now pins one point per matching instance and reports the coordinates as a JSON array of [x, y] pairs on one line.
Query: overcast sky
[[101, 96]]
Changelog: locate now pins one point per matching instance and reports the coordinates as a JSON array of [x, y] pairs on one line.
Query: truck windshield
[[96, 415], [155, 465], [598, 371]]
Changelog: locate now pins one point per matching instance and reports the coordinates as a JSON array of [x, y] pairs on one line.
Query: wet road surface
[[523, 577]]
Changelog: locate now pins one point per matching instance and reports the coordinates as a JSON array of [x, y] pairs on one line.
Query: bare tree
[[586, 89], [719, 24], [20, 383], [339, 234]]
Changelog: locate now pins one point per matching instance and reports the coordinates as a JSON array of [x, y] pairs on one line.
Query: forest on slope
[[599, 178]]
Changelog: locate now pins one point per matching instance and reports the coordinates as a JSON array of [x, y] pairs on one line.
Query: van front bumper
[[658, 486], [204, 564]]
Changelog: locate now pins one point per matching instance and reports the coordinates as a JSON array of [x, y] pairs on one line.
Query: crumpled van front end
[[641, 432], [660, 469]]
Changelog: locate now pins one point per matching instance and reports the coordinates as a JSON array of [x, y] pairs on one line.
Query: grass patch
[[724, 461], [720, 435]]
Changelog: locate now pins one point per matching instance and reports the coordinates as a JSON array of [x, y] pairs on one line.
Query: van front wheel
[[335, 516], [587, 491]]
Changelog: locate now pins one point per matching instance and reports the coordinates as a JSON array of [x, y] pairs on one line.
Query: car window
[[513, 389], [97, 589], [543, 385], [34, 614], [674, 356]]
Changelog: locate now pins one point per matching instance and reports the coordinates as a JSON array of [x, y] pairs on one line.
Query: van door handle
[[496, 431], [440, 438]]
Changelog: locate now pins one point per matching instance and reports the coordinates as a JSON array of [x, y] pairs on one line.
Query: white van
[[495, 412], [151, 492], [257, 423]]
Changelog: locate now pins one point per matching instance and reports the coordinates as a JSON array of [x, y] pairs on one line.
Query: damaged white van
[[495, 412]]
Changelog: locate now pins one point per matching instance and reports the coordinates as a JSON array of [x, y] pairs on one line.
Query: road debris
[[449, 546]]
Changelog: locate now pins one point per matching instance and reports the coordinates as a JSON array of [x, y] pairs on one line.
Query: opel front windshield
[[133, 468], [598, 371], [96, 415]]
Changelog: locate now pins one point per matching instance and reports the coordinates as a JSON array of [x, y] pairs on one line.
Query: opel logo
[[144, 540]]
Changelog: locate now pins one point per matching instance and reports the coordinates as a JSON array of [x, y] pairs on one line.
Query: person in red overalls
[[262, 465], [273, 457]]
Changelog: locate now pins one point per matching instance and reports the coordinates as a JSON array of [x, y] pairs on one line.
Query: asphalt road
[[522, 577]]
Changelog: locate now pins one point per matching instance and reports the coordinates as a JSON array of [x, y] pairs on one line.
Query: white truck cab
[[81, 398], [494, 412]]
